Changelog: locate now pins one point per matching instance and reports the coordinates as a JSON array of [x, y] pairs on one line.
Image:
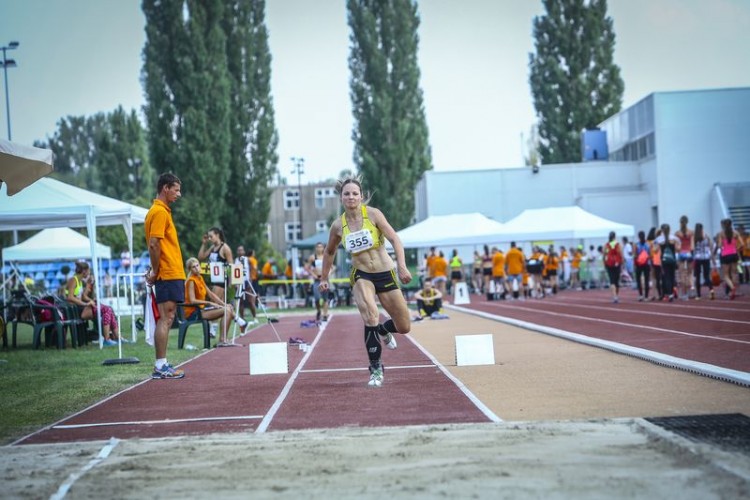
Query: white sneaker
[[390, 341], [376, 377]]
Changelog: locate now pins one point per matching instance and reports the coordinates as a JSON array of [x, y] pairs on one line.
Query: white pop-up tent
[[561, 223], [58, 243], [452, 230], [51, 203]]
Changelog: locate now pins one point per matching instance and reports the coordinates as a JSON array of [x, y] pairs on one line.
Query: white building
[[670, 154]]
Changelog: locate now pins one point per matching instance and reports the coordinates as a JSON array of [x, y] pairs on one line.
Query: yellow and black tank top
[[366, 238]]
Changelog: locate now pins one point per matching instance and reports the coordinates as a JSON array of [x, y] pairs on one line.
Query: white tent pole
[[128, 226], [91, 227]]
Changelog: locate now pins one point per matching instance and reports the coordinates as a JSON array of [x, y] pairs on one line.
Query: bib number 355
[[359, 242]]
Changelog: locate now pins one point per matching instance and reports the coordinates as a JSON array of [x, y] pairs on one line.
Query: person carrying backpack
[[642, 266], [613, 264], [670, 247]]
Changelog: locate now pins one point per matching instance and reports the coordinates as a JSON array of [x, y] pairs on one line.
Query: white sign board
[[461, 294], [216, 270], [475, 350], [236, 274], [268, 358]]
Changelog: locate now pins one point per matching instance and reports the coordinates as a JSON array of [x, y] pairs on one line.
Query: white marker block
[[217, 272], [270, 357], [236, 274], [461, 293], [474, 350]]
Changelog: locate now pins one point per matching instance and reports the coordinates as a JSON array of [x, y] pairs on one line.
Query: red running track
[[716, 332], [326, 387]]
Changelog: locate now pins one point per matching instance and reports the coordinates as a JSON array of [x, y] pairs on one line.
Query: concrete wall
[[701, 139]]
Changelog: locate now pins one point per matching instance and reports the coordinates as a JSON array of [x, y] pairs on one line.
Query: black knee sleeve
[[372, 343], [387, 327]]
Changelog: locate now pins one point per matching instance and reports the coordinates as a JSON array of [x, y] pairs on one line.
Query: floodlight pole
[[6, 64], [299, 169]]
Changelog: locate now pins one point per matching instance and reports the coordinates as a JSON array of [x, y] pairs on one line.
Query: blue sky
[[80, 57]]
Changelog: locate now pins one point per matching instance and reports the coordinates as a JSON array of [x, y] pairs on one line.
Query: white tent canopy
[[59, 243], [561, 223], [452, 230], [51, 203]]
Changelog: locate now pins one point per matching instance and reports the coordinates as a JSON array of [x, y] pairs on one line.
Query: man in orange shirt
[[498, 273], [515, 263], [430, 266], [166, 273], [440, 272]]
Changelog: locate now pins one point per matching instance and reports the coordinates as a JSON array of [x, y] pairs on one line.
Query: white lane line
[[98, 403], [289, 383], [103, 453], [477, 402], [390, 368], [681, 304], [620, 323], [713, 371], [652, 313], [154, 422]]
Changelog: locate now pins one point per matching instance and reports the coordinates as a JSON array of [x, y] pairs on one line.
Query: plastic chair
[[30, 313], [79, 327], [183, 324]]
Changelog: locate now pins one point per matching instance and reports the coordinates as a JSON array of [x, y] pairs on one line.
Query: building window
[[321, 194], [292, 231], [291, 199], [321, 226], [268, 232]]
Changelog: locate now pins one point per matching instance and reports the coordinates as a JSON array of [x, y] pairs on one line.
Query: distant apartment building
[[300, 212]]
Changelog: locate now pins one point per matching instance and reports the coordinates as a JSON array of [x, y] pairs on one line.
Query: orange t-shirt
[[498, 264], [267, 270], [576, 264], [159, 225], [439, 267], [431, 265], [552, 263], [253, 268], [514, 259], [200, 292]]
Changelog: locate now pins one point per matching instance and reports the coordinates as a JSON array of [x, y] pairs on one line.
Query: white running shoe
[[390, 341], [376, 377]]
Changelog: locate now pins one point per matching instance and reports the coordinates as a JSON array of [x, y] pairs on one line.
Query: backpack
[[613, 257], [667, 255], [642, 258], [46, 314]]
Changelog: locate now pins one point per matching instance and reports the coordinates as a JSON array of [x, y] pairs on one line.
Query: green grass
[[39, 387]]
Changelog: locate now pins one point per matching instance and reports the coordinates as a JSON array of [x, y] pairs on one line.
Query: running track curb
[[705, 369]]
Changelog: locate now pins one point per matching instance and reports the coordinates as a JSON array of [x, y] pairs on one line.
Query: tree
[[93, 152], [391, 144], [253, 135], [574, 81], [120, 145], [187, 92]]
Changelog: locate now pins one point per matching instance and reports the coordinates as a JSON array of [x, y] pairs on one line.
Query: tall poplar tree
[[574, 82], [391, 143], [188, 109], [253, 157]]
